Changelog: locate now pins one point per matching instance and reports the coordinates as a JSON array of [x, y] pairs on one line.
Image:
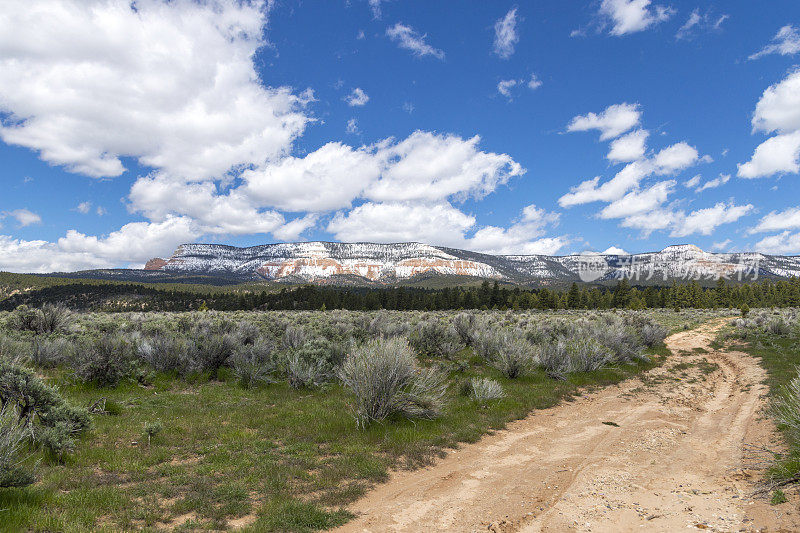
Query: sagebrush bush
[[255, 364], [432, 338], [386, 380], [294, 337], [49, 353], [50, 318], [786, 407], [166, 352], [13, 437], [514, 356], [464, 325], [653, 334], [211, 352], [485, 389], [304, 372], [585, 354], [47, 418], [105, 361]]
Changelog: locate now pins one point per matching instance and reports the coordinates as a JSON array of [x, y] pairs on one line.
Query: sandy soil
[[676, 461]]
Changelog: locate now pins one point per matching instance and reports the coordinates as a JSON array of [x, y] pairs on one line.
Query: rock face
[[323, 261], [155, 263]]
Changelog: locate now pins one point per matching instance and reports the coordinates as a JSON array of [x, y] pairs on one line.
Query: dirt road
[[675, 461]]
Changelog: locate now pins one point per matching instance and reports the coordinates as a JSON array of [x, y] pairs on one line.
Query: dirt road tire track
[[676, 461]]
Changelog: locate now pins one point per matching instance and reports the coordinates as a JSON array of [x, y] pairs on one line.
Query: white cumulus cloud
[[630, 16], [612, 122], [171, 84]]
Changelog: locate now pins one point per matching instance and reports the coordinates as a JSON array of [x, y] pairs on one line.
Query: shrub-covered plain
[[278, 419]]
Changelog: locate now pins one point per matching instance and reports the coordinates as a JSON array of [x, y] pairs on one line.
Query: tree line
[[487, 295]]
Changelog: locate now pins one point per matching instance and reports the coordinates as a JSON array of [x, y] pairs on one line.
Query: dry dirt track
[[675, 462]]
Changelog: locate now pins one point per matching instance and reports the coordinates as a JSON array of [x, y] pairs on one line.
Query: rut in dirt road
[[674, 461]]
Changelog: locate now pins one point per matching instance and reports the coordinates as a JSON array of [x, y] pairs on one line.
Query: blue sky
[[527, 127]]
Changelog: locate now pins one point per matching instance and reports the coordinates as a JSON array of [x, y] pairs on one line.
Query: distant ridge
[[332, 262]]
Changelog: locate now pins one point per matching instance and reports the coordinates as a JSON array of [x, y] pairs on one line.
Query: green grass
[[291, 459], [780, 356]]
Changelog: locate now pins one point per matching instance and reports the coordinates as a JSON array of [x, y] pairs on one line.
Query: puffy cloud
[[675, 158], [722, 245], [636, 202], [777, 111], [23, 217], [172, 84], [591, 191], [693, 182], [716, 182], [668, 161], [233, 213], [505, 34], [614, 250], [629, 147], [427, 167], [705, 221], [439, 223], [357, 98], [326, 179], [406, 37], [524, 236], [783, 243], [442, 224], [134, 242], [697, 22], [84, 207], [352, 127], [630, 16], [786, 42], [612, 122], [778, 220], [776, 155]]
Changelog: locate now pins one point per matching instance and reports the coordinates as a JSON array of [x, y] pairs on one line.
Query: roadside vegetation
[[273, 421], [774, 337]]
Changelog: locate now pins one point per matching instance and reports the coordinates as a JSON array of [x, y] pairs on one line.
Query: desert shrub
[[623, 341], [105, 361], [464, 325], [46, 417], [514, 356], [786, 407], [294, 337], [302, 372], [322, 349], [553, 359], [778, 326], [50, 318], [585, 354], [151, 429], [255, 364], [653, 334], [485, 342], [11, 350], [386, 380], [247, 332], [212, 351], [13, 439], [166, 353], [434, 339], [51, 353], [485, 389]]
